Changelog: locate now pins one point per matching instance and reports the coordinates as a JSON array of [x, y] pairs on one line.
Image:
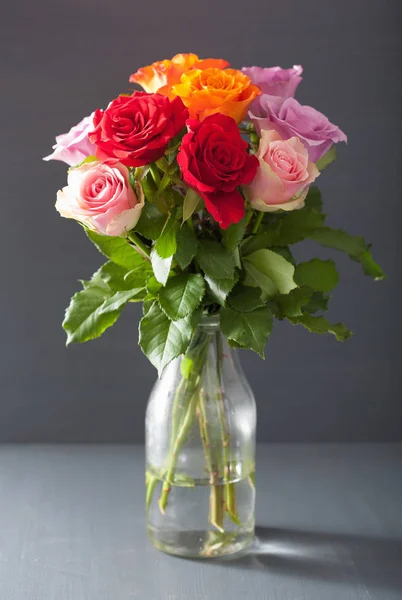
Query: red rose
[[136, 129], [214, 161]]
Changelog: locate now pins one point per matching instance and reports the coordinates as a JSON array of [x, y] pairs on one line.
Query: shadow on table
[[322, 556]]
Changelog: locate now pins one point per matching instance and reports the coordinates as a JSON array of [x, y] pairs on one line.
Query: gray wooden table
[[329, 528]]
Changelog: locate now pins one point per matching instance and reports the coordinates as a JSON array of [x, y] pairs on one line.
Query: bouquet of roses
[[195, 190]]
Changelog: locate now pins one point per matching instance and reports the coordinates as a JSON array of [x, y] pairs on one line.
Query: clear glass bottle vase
[[200, 451]]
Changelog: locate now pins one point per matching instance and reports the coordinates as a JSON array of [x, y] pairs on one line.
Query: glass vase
[[200, 451]]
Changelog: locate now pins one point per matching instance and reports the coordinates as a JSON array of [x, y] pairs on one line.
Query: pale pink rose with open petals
[[284, 174], [100, 196], [275, 81], [74, 147]]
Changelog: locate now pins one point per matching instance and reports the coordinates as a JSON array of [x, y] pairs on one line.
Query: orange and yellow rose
[[160, 76], [213, 90]]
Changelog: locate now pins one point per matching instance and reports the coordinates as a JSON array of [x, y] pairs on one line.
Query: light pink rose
[[275, 81], [284, 174], [73, 147], [100, 196]]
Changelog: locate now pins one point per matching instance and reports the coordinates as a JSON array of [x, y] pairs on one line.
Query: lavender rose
[[275, 80], [73, 147], [289, 118]]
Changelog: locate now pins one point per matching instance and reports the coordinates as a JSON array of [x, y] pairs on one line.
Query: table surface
[[329, 528]]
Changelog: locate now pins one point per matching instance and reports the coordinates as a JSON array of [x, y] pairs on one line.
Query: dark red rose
[[137, 129], [214, 161]]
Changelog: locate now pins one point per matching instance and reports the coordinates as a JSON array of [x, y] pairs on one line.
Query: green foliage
[[160, 266], [247, 329], [319, 275], [293, 304], [327, 159], [118, 250], [355, 247], [269, 271], [215, 260], [94, 309], [180, 264], [233, 235], [187, 246], [245, 299], [191, 201], [151, 222], [322, 325], [161, 339], [314, 199], [219, 289], [182, 295], [166, 244]]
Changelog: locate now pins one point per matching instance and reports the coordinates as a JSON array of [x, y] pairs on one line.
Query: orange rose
[[212, 90], [162, 75]]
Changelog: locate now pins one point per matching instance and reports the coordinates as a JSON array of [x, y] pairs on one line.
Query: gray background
[[60, 60]]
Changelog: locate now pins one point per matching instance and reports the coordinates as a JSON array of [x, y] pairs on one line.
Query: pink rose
[[289, 118], [275, 80], [100, 196], [73, 147], [284, 174]]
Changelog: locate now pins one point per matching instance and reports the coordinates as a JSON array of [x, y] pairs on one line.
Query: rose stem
[[181, 436], [150, 484], [216, 512], [186, 423], [133, 237], [230, 491], [257, 222]]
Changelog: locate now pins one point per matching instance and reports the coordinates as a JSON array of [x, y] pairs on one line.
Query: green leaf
[[164, 183], [297, 225], [319, 275], [215, 260], [166, 243], [187, 246], [118, 250], [233, 235], [327, 159], [355, 247], [318, 302], [118, 278], [151, 222], [182, 295], [291, 305], [248, 329], [191, 201], [160, 266], [245, 299], [93, 310], [322, 325], [220, 288], [313, 198], [86, 160], [153, 286], [161, 339], [269, 271]]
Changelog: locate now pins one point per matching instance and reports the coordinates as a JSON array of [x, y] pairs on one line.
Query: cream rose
[[100, 196], [284, 174]]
